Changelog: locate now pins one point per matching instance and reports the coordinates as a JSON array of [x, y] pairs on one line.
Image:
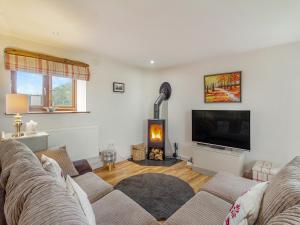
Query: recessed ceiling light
[[152, 62], [55, 33]]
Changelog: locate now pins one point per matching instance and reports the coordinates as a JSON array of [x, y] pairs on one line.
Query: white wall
[[270, 89], [117, 118]]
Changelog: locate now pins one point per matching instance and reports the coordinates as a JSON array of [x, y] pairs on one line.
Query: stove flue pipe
[[164, 94], [157, 104]]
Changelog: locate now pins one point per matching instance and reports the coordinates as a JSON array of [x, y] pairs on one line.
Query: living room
[[138, 58]]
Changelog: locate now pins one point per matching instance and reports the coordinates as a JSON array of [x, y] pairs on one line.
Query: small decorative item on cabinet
[[50, 109], [31, 127]]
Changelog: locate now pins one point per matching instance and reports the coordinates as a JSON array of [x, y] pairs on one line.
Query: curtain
[[37, 63]]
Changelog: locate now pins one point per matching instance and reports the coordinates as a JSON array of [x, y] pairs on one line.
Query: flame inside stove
[[156, 133]]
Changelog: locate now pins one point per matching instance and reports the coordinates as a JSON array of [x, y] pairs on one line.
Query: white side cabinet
[[36, 142], [209, 161]]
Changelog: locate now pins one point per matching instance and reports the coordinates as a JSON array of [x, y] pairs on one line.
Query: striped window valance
[[20, 60]]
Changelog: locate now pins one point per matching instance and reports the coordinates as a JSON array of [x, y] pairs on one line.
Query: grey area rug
[[167, 162], [161, 195]]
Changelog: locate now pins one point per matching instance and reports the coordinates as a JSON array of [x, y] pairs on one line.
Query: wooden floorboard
[[126, 169]]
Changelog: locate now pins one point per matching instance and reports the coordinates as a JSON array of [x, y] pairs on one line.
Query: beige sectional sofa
[[32, 197], [280, 204]]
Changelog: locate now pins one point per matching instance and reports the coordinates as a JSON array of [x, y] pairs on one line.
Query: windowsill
[[56, 112]]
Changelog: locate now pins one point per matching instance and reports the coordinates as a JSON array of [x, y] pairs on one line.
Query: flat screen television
[[226, 128]]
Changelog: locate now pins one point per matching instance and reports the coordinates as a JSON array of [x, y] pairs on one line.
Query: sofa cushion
[[247, 206], [51, 166], [82, 166], [10, 154], [117, 208], [60, 155], [204, 208], [32, 195], [93, 186], [47, 203], [228, 186], [290, 216], [282, 193]]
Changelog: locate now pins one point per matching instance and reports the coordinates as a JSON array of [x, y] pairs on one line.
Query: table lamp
[[17, 104]]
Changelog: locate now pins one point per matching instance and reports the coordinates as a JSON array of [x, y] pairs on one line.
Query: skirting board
[[184, 157]]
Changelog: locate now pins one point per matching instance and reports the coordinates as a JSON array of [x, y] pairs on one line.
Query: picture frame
[[118, 87], [223, 87]]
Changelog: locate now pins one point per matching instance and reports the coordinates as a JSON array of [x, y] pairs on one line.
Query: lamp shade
[[16, 103]]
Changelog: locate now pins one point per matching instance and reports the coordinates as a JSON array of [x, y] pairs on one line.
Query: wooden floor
[[126, 169]]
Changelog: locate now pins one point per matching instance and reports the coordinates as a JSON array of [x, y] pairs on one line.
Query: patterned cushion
[[247, 206], [282, 193], [60, 155]]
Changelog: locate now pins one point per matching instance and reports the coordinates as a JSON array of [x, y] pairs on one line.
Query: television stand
[[209, 160]]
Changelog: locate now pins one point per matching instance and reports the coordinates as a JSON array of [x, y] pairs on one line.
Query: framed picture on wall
[[118, 87], [223, 87]]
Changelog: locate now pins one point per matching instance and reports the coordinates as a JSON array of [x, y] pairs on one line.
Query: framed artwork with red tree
[[223, 87]]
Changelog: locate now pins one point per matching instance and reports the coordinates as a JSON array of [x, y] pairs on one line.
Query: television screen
[[226, 128]]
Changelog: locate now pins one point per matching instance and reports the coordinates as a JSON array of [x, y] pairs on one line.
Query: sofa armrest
[[228, 186], [82, 166]]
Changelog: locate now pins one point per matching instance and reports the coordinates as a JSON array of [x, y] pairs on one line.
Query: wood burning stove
[[157, 127], [156, 139]]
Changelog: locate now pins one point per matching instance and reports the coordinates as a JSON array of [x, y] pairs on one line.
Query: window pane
[[32, 85], [36, 100], [62, 91]]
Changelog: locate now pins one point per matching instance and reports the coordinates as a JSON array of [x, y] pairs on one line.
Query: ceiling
[[170, 32]]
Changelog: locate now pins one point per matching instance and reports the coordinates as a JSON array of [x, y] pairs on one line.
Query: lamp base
[[18, 124], [16, 135]]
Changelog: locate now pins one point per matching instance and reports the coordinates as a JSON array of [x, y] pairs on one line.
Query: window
[[32, 85], [62, 92], [45, 91]]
